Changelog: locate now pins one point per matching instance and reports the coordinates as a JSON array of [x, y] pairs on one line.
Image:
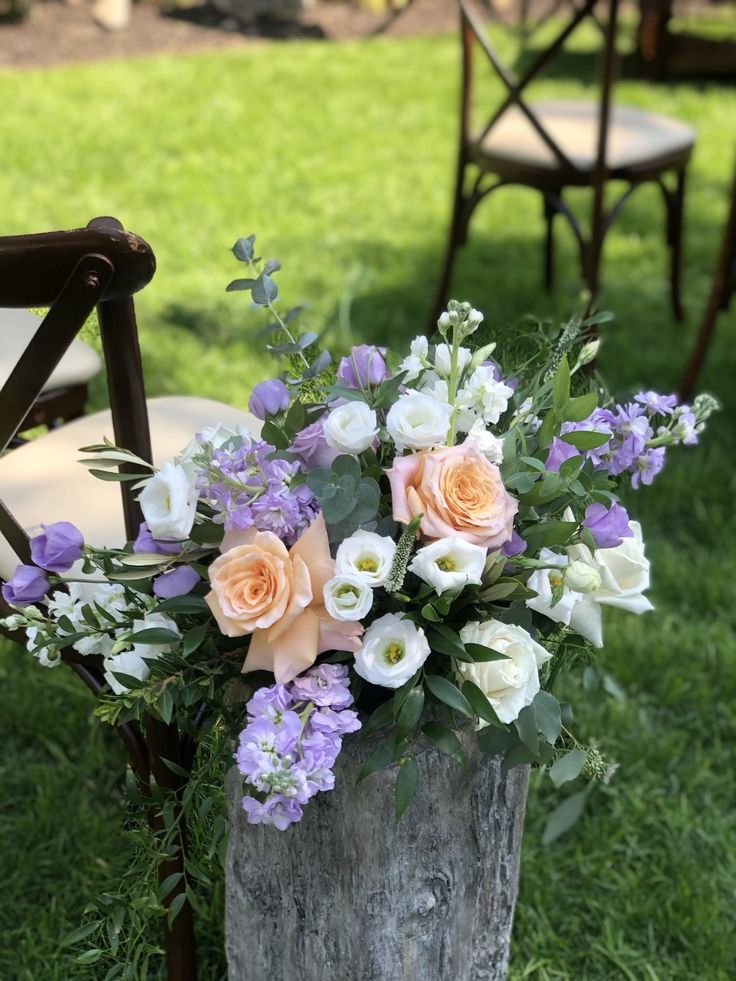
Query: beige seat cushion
[[635, 137], [17, 327], [42, 482]]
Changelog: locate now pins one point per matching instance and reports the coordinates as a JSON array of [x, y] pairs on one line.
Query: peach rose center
[[253, 588]]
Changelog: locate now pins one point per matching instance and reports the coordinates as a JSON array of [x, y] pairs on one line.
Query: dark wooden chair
[[719, 299], [73, 272], [554, 145]]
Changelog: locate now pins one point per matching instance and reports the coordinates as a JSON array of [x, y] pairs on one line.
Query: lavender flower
[[27, 585], [145, 542], [608, 526], [268, 398], [364, 366], [514, 546], [58, 547], [312, 448], [657, 404], [177, 582], [292, 737], [559, 451], [648, 466]]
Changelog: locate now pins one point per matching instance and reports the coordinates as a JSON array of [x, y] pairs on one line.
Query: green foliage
[[348, 500]]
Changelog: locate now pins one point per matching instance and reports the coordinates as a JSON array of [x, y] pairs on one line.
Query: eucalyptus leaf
[[567, 767]]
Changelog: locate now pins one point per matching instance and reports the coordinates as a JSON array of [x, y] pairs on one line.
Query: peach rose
[[261, 588], [458, 491]]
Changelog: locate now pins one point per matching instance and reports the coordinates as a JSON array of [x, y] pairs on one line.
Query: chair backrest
[[603, 12], [71, 273]]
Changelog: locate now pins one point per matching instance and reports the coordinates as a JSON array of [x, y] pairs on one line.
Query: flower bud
[[268, 398], [582, 578]]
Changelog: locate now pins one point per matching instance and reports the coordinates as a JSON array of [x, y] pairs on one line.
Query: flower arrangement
[[408, 545]]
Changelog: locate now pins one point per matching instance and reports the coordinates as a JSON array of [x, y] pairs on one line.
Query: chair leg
[[457, 236], [549, 244], [675, 216]]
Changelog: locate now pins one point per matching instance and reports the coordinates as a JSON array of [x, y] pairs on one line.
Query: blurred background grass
[[340, 159]]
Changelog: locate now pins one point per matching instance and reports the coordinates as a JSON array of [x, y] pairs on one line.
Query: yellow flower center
[[446, 564], [346, 590], [367, 564], [555, 578], [394, 652]]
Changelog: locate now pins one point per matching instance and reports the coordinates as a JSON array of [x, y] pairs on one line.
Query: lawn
[[340, 159]]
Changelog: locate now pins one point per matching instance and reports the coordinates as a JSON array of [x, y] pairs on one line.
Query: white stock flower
[[169, 503], [510, 684], [366, 555], [484, 395], [392, 650], [490, 446], [449, 563], [415, 363], [625, 574], [418, 422], [44, 655], [133, 662], [347, 597], [351, 428], [443, 359]]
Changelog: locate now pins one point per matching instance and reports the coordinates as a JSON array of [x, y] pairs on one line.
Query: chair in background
[[65, 394], [73, 273], [553, 145], [719, 299]]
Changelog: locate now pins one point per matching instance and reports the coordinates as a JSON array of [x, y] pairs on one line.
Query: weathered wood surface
[[347, 895]]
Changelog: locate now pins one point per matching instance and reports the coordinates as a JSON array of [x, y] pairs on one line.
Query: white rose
[[347, 597], [169, 503], [510, 684], [490, 446], [449, 563], [366, 555], [576, 610], [443, 359], [415, 363], [625, 574], [134, 661], [351, 428], [392, 650], [484, 395], [582, 577], [418, 421]]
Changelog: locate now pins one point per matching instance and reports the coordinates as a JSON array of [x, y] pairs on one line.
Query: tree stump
[[349, 895]]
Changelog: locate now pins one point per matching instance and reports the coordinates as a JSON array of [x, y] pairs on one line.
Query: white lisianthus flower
[[576, 610], [347, 597], [418, 422], [624, 574], [415, 363], [391, 651], [169, 503], [484, 395], [351, 428], [366, 555], [582, 577], [449, 563], [510, 684], [490, 446], [443, 359], [133, 662]]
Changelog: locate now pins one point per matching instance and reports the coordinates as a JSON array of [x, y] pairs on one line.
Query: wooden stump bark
[[348, 895]]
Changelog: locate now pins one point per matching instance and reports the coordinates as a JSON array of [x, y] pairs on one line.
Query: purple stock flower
[[658, 404], [312, 448], [270, 703], [648, 466], [328, 721], [177, 582], [268, 398], [364, 366], [514, 546], [559, 451], [324, 684], [276, 810], [608, 526], [27, 585], [685, 430], [58, 547], [146, 543]]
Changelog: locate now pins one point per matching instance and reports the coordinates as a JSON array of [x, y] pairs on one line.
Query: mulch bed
[[56, 33]]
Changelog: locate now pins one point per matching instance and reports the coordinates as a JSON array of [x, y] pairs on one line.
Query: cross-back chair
[[719, 300], [73, 272], [552, 145]]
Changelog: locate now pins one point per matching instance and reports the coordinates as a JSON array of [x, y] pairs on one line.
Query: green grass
[[340, 158]]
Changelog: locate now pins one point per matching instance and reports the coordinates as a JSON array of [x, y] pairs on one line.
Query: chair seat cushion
[[17, 327], [43, 481], [636, 139]]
